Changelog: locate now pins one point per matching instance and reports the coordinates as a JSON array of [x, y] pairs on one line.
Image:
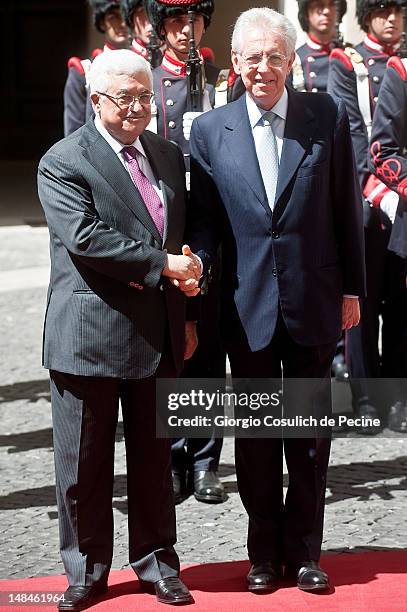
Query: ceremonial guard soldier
[[355, 75], [144, 41], [318, 18], [388, 160], [170, 21], [109, 21], [184, 86]]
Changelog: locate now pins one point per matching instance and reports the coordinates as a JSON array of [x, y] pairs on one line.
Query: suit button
[[172, 125], [161, 287], [170, 103], [312, 75], [274, 272], [371, 62], [314, 90], [311, 59], [167, 83], [376, 79], [275, 235]]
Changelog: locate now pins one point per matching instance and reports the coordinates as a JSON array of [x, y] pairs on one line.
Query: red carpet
[[368, 582]]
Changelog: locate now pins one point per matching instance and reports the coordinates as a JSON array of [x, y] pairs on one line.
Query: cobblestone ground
[[366, 497]]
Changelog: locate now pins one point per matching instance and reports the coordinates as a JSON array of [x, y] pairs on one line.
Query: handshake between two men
[[184, 271]]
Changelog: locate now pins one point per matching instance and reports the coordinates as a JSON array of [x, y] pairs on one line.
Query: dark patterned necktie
[[148, 193]]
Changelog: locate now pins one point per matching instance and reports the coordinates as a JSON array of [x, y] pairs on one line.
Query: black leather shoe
[[208, 488], [178, 486], [263, 577], [367, 411], [78, 598], [169, 590], [398, 417], [310, 577]]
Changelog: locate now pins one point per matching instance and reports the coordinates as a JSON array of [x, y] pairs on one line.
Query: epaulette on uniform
[[399, 65], [96, 52], [353, 55], [76, 63], [348, 56], [221, 88], [298, 74]]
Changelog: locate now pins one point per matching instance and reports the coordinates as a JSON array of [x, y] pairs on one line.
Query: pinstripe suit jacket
[[108, 306]]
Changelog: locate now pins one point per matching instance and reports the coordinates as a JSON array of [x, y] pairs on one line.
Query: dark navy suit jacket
[[308, 252]]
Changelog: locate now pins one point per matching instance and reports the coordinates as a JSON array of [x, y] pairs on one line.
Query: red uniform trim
[[96, 52], [208, 54], [76, 62], [340, 55], [396, 63], [232, 76]]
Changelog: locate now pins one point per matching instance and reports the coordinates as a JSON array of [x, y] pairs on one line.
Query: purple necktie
[[147, 191]]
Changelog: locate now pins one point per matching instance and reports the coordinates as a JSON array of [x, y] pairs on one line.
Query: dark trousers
[[208, 361], [387, 298], [85, 414], [287, 531]]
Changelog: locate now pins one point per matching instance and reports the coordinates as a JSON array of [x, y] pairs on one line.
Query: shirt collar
[[115, 144], [316, 45], [139, 47], [256, 113], [173, 65], [372, 43]]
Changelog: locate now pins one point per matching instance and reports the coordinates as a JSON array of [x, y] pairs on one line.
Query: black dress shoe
[[208, 488], [398, 417], [310, 577], [367, 411], [169, 590], [263, 577], [178, 486], [78, 598]]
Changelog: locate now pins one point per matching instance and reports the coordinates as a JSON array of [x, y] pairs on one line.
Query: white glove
[[187, 120], [389, 203]]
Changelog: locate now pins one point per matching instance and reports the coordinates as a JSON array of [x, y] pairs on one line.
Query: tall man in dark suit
[[273, 180], [114, 198]]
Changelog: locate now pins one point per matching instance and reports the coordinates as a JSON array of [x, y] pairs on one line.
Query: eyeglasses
[[253, 61], [126, 101]]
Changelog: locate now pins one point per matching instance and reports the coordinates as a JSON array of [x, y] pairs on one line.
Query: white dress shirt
[[142, 159], [256, 120]]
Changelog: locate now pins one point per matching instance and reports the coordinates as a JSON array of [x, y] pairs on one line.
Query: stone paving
[[367, 484]]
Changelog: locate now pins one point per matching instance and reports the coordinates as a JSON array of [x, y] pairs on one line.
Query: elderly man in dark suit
[[273, 181], [114, 199]]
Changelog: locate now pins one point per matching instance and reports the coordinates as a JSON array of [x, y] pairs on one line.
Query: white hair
[[267, 21], [113, 63]]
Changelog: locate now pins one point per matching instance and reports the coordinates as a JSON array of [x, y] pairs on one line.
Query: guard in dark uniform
[[109, 21], [318, 19], [194, 461], [388, 160], [139, 26], [355, 75]]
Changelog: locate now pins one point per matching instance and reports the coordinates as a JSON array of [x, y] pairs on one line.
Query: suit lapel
[[299, 128], [239, 139], [100, 154]]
